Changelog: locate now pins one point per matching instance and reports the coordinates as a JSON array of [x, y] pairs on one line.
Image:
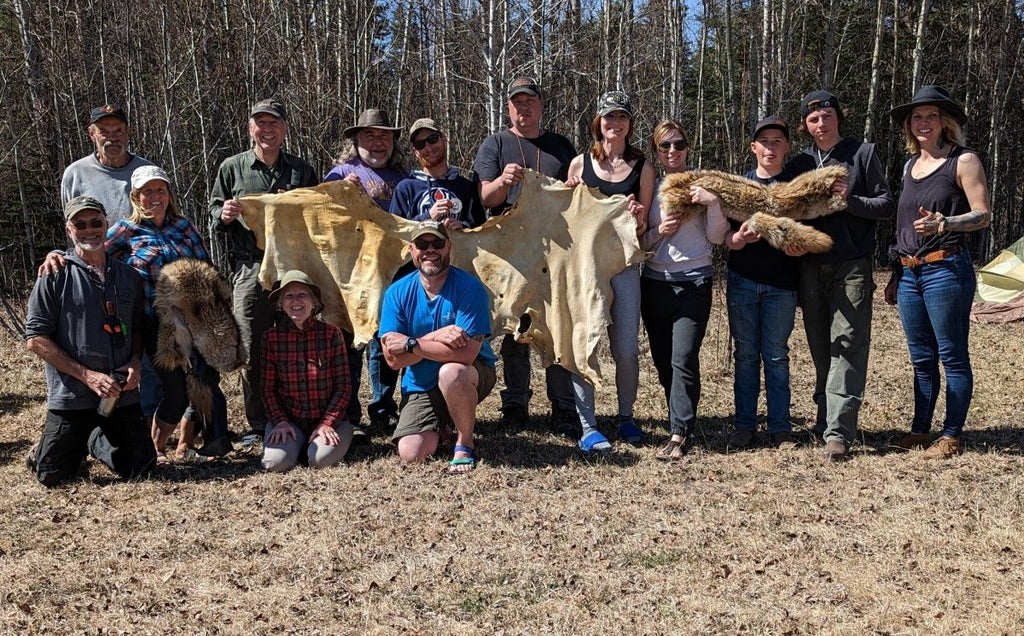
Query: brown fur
[[194, 306], [782, 232], [808, 196]]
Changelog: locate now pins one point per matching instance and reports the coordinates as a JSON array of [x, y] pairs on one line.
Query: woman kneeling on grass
[[305, 380], [944, 197]]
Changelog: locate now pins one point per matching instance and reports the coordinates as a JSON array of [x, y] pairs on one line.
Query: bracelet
[[942, 226]]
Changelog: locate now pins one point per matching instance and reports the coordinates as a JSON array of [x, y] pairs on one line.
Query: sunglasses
[[678, 144], [431, 139], [424, 244], [94, 224]]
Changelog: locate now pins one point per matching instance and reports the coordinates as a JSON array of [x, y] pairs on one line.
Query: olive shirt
[[244, 174]]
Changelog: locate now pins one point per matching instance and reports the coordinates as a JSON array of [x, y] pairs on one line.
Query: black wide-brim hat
[[930, 95]]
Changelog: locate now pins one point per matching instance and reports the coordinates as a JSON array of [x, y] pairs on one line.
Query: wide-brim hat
[[295, 276], [370, 118], [930, 95]]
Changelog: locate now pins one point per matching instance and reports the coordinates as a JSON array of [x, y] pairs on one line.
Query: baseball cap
[[80, 204], [270, 107], [771, 121], [526, 85], [145, 174], [432, 228], [107, 110], [423, 123], [613, 101], [819, 99]]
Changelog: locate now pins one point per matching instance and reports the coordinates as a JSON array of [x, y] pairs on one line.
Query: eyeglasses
[[424, 244], [678, 144], [94, 224], [431, 139]]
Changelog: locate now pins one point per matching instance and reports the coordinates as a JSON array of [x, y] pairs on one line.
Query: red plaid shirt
[[305, 374]]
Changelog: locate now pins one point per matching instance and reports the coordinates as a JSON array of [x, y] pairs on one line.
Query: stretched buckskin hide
[[775, 208], [547, 263], [194, 306]]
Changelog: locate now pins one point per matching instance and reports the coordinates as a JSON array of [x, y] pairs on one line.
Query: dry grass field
[[539, 539]]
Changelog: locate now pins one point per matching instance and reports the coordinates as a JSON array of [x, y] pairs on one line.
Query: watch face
[[410, 344]]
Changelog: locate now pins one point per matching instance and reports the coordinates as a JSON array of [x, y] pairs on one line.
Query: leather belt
[[930, 257]]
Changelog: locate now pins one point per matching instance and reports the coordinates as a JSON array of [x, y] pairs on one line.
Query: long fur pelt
[[194, 306], [808, 196], [782, 233]]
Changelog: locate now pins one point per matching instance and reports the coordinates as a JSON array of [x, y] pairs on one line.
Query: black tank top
[[629, 185], [936, 192]]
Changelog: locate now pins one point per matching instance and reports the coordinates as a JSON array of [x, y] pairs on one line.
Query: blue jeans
[[935, 305], [760, 321], [676, 317], [383, 380], [623, 339]]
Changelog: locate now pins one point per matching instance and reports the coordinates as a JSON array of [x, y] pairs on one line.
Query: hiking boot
[[784, 441], [628, 430], [566, 423], [673, 450], [741, 439], [514, 416], [943, 448], [216, 448], [383, 424], [836, 451], [360, 437], [913, 440]]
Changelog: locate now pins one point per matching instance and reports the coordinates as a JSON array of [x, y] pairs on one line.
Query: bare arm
[[493, 193], [101, 384], [970, 174], [447, 344]]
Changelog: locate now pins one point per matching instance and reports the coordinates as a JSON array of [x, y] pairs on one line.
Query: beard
[[89, 246], [430, 269]]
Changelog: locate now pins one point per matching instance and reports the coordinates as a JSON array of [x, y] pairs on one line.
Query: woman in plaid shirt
[[155, 235], [305, 380]]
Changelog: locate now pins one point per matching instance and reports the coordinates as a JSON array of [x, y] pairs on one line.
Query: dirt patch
[[538, 539]]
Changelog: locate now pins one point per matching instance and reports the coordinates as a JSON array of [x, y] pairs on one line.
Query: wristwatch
[[410, 344]]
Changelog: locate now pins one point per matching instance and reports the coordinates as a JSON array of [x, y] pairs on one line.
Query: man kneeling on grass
[[435, 321]]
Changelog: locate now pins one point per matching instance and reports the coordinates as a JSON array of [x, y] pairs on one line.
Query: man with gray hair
[[265, 168], [85, 322], [105, 174]]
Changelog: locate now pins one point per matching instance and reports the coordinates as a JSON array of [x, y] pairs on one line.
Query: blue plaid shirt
[[148, 248]]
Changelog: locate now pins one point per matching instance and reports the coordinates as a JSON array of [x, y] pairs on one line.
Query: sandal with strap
[[460, 465]]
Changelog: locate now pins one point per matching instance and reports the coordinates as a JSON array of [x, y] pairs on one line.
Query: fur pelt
[[194, 306], [808, 196], [782, 232]]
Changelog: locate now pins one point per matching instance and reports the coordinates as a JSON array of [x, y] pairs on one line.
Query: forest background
[[187, 71]]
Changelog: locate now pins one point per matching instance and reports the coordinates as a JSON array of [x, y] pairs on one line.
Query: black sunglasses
[[431, 139], [94, 224], [424, 244], [678, 144]]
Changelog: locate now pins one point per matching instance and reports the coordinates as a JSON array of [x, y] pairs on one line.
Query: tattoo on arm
[[969, 222]]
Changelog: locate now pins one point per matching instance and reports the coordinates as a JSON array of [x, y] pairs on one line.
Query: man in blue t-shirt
[[435, 323]]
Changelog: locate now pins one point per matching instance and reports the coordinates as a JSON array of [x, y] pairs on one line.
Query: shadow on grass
[[14, 451], [14, 402]]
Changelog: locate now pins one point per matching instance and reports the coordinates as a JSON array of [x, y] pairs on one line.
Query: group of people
[[91, 314]]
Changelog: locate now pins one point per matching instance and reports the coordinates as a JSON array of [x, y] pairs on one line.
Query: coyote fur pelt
[[194, 306], [777, 207]]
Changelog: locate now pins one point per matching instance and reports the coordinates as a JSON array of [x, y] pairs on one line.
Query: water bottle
[[107, 404]]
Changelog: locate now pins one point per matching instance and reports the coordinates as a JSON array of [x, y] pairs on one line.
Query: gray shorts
[[421, 412]]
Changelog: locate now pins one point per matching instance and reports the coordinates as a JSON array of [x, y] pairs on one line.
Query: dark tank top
[[936, 192], [629, 185]]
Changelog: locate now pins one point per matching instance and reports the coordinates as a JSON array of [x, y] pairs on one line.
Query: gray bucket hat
[[295, 276], [370, 118]]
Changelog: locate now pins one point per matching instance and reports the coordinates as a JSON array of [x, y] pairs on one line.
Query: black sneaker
[[30, 458], [566, 423], [383, 424], [514, 416], [360, 437], [216, 448]]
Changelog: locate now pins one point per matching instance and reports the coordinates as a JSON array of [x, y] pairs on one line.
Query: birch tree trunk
[[919, 44], [876, 63]]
